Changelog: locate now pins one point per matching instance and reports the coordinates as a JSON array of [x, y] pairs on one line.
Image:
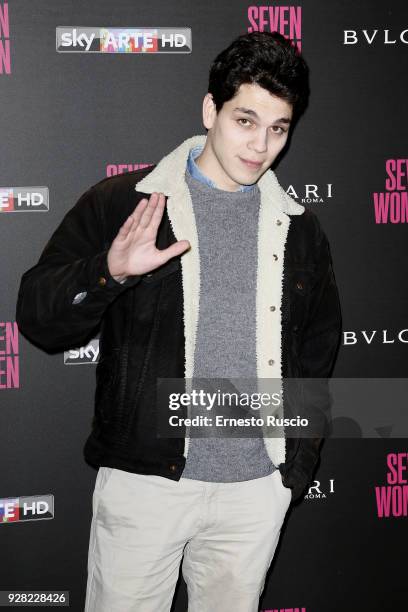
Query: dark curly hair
[[267, 59]]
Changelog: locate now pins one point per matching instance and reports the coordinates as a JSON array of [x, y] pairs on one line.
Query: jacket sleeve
[[317, 353], [62, 298]]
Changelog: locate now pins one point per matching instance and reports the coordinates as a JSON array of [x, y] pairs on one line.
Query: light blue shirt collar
[[196, 173]]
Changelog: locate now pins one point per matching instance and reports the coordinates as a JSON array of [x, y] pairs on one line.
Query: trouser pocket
[[102, 478]]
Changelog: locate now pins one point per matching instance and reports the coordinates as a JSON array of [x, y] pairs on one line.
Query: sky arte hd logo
[[24, 199], [83, 354], [76, 39], [32, 508]]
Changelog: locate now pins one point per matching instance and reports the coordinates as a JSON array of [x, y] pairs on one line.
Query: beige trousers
[[143, 526]]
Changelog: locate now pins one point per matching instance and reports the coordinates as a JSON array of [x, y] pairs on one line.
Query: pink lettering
[[115, 169], [9, 359], [287, 20], [4, 21], [397, 464], [285, 610], [391, 207], [10, 338], [383, 498], [392, 501], [11, 373], [400, 168], [5, 60]]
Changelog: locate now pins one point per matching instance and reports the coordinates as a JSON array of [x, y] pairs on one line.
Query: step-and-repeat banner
[[91, 90]]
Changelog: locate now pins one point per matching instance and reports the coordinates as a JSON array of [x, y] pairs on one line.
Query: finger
[[126, 227], [175, 249], [148, 211], [157, 213], [138, 211]]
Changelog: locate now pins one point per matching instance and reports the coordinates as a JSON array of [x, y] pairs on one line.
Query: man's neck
[[204, 165]]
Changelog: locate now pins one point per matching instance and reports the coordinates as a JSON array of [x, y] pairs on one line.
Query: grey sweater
[[227, 224]]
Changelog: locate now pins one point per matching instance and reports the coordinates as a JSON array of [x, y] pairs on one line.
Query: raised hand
[[133, 251]]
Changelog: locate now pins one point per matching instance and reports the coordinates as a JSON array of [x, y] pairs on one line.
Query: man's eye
[[275, 128], [247, 121]]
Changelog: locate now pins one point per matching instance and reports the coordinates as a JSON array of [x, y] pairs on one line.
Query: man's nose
[[259, 143]]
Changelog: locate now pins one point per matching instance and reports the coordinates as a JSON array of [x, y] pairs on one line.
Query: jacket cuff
[[106, 279], [297, 474], [96, 280]]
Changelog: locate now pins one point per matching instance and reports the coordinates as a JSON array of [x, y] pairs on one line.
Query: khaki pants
[[143, 527]]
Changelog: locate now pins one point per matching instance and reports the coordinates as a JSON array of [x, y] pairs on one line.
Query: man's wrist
[[119, 279]]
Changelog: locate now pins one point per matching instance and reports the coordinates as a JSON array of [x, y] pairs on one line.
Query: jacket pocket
[[166, 269], [299, 287]]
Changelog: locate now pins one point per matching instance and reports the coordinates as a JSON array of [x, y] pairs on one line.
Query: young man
[[199, 266]]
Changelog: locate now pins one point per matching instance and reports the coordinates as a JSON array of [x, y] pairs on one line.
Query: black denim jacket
[[69, 296]]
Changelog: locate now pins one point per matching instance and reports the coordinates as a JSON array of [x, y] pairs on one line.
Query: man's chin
[[247, 182]]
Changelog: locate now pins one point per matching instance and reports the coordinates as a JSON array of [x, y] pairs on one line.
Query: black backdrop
[[66, 121]]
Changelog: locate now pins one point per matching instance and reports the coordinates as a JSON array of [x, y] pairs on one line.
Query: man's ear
[[209, 111]]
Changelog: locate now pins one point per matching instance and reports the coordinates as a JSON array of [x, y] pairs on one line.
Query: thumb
[[176, 249]]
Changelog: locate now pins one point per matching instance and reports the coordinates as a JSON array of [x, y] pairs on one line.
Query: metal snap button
[[79, 297]]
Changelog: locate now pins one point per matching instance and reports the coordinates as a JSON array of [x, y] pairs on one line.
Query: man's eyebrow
[[252, 113]]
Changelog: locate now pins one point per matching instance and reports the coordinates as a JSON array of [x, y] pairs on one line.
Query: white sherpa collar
[[169, 173], [276, 207]]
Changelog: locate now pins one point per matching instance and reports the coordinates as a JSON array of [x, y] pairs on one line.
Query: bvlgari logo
[[375, 336], [375, 37], [320, 490], [311, 193]]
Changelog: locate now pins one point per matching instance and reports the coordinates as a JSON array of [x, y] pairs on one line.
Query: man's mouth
[[251, 164]]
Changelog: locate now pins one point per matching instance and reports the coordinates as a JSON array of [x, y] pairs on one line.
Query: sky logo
[[75, 39]]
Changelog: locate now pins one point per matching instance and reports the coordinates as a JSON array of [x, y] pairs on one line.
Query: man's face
[[252, 126]]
